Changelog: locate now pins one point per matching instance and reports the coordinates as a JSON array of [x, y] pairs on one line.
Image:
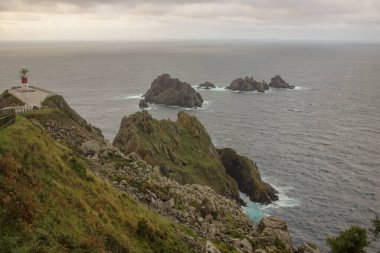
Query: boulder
[[143, 104], [309, 248], [247, 176], [278, 82], [90, 148], [206, 85], [210, 248], [274, 227], [171, 91]]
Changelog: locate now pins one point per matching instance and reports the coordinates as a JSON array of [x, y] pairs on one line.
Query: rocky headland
[[157, 189], [248, 84], [184, 152], [165, 90]]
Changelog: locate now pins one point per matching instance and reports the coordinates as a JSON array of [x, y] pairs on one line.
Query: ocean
[[317, 144]]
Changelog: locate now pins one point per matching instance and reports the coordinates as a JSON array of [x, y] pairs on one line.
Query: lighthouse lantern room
[[24, 78]]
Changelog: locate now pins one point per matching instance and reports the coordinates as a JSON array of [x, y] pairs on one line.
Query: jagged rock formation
[[276, 229], [206, 85], [64, 124], [247, 176], [7, 100], [183, 150], [143, 104], [171, 91], [278, 82], [247, 84]]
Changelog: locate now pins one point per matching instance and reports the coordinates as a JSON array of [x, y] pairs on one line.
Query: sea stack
[[173, 92], [278, 82], [247, 84], [206, 85]]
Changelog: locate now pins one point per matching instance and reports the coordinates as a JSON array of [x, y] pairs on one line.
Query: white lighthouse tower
[[24, 78]]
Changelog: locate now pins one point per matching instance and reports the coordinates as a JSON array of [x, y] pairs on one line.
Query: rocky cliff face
[[183, 150], [171, 91], [64, 124], [247, 84], [247, 176]]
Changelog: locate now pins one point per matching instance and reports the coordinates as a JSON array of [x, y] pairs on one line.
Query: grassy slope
[[50, 202], [183, 146]]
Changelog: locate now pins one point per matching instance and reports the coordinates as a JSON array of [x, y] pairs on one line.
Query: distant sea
[[317, 144]]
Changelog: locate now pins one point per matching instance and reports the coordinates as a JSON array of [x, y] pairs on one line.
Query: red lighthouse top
[[24, 75]]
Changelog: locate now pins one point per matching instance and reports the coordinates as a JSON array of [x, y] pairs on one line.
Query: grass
[[51, 202]]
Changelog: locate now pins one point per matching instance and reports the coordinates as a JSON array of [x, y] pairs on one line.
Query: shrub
[[375, 230], [352, 240]]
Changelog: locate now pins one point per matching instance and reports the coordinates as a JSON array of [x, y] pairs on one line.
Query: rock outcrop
[[7, 100], [278, 82], [65, 124], [273, 229], [143, 104], [247, 176], [247, 84], [206, 85], [171, 91], [183, 150]]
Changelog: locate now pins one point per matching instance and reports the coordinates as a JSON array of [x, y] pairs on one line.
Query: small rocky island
[[165, 90], [206, 85], [248, 84], [278, 82]]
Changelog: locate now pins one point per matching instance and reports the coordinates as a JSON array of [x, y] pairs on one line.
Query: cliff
[[183, 150], [247, 175]]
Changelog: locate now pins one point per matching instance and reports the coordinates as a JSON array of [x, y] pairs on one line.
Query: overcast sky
[[349, 20]]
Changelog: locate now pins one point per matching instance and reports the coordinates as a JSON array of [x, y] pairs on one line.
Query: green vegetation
[[51, 202], [375, 229], [183, 149], [352, 240]]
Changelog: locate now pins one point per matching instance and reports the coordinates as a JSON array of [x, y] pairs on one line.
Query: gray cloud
[[216, 17]]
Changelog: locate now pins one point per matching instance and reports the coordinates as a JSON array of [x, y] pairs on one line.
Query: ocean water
[[317, 144]]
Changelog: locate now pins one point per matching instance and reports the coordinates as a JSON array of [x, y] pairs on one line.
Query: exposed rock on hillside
[[247, 84], [247, 176], [171, 91], [7, 100], [183, 150], [206, 85], [64, 124], [278, 82]]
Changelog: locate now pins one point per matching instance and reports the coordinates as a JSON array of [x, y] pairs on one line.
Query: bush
[[375, 230], [352, 240]]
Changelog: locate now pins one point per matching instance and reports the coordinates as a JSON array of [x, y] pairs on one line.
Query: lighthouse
[[24, 78]]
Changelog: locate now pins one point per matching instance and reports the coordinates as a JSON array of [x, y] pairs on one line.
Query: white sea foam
[[134, 96], [256, 211], [301, 88]]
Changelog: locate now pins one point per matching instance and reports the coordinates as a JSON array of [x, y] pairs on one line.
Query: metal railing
[[7, 118], [18, 109]]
